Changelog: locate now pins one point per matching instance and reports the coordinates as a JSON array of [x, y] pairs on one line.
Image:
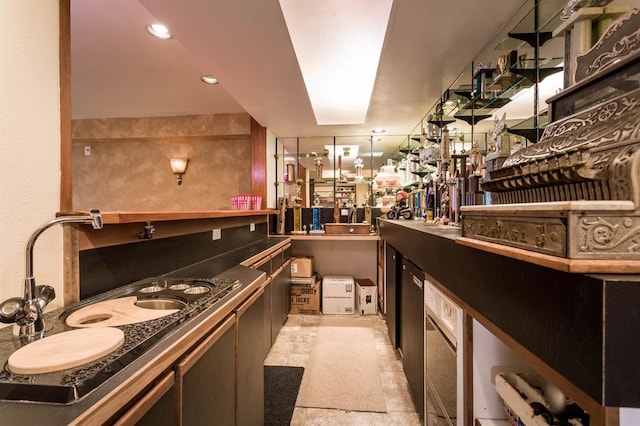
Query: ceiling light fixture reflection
[[378, 130], [342, 150], [159, 30], [209, 79], [338, 45]]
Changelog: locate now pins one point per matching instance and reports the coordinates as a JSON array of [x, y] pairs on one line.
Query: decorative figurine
[[444, 205], [475, 157], [400, 209], [499, 125], [319, 167], [359, 164]]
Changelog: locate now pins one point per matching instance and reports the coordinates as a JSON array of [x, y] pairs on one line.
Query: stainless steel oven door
[[440, 375]]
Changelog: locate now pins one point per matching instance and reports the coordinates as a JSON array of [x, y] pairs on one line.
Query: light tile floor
[[292, 348]]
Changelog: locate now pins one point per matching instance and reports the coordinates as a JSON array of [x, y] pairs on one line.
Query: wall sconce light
[[179, 167]]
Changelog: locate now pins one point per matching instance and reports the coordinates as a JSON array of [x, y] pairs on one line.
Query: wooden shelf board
[[330, 237], [153, 216]]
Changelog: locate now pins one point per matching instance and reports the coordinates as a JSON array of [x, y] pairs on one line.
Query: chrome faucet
[[26, 312]]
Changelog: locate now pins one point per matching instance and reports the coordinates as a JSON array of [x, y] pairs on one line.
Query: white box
[[338, 294], [366, 297]]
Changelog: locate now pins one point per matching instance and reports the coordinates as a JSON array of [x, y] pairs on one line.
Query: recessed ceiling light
[[159, 30], [209, 79], [378, 131], [338, 45]]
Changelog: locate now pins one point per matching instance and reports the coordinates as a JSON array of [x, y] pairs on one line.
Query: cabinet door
[[412, 330], [392, 293], [266, 317], [205, 379], [280, 298], [156, 408], [250, 361], [277, 304], [285, 291]]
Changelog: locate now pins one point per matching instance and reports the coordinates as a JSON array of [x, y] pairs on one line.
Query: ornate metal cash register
[[572, 201]]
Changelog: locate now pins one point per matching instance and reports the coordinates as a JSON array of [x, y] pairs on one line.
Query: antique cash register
[[572, 200]]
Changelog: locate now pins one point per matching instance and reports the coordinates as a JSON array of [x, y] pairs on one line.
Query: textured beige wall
[[128, 169], [29, 143]]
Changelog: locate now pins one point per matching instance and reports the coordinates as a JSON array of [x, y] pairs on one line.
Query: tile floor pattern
[[292, 348]]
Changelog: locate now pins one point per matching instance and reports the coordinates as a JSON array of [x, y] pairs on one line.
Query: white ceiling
[[119, 70]]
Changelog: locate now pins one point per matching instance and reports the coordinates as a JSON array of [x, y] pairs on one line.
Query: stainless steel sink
[[160, 304]]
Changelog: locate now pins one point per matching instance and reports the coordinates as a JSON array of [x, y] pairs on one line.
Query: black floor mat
[[281, 385]]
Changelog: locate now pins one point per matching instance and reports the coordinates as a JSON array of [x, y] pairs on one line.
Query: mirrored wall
[[496, 106]]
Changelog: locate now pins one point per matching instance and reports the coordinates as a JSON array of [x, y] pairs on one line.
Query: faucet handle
[[44, 295], [12, 310]]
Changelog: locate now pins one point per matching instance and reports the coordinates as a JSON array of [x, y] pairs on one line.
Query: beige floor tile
[[394, 380], [403, 419], [293, 347], [276, 358], [399, 400], [298, 360]]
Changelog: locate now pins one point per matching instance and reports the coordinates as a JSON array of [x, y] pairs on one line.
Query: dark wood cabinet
[[267, 312], [392, 293], [205, 379], [412, 329], [250, 361], [157, 407], [280, 298]]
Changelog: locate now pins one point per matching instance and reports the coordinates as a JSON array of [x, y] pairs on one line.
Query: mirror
[[489, 90]]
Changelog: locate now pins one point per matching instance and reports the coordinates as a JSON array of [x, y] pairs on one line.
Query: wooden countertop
[[157, 216]]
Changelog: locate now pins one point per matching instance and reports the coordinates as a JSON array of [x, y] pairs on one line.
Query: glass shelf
[[303, 155], [528, 129], [472, 119], [524, 32]]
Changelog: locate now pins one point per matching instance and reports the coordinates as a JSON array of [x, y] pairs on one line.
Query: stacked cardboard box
[[305, 287], [305, 298], [301, 267]]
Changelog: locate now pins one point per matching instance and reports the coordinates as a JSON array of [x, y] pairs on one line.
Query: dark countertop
[[222, 267], [574, 326]]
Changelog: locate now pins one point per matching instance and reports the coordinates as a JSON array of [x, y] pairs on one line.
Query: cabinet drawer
[[137, 412], [276, 260], [263, 265]]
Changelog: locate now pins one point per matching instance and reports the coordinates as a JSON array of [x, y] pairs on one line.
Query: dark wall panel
[[105, 268], [555, 315]]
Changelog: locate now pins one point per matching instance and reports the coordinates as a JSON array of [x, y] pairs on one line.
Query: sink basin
[[162, 304], [145, 301]]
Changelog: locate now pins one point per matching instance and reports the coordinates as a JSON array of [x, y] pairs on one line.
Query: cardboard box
[[305, 299], [366, 297], [305, 280], [338, 294], [302, 266]]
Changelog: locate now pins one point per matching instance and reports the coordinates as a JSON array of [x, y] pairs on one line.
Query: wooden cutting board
[[65, 350], [114, 312]]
